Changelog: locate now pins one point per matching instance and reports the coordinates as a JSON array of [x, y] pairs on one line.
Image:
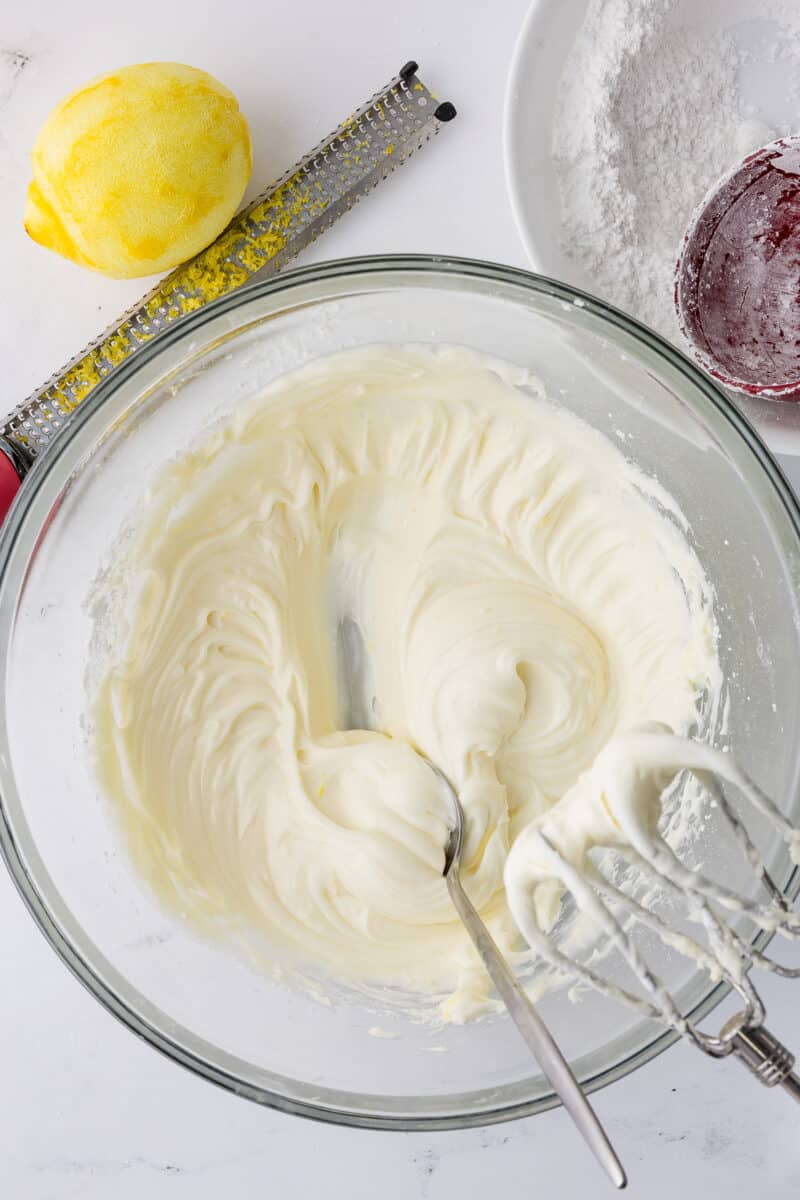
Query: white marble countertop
[[86, 1110]]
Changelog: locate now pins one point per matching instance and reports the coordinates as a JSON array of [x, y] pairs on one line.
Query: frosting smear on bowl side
[[526, 596]]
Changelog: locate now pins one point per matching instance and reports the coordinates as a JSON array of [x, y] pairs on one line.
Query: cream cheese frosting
[[526, 595]]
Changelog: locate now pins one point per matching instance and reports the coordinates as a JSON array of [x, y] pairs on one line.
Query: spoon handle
[[536, 1034]]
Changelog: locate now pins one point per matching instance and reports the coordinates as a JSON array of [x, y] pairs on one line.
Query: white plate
[[544, 42], [546, 37]]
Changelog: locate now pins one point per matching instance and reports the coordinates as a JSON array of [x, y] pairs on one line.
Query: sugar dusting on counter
[[650, 113]]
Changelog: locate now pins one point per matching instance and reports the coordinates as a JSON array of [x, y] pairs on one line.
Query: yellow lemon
[[138, 170]]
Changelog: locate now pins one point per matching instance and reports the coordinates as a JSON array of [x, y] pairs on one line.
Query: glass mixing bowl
[[200, 1002]]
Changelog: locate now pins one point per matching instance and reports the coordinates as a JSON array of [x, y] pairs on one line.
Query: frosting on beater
[[618, 804]]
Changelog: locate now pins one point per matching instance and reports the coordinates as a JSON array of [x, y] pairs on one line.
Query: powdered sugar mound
[[648, 116]]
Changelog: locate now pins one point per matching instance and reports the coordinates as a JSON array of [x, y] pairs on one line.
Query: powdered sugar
[[652, 109]]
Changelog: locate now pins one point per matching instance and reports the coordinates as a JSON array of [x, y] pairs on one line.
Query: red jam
[[737, 287]]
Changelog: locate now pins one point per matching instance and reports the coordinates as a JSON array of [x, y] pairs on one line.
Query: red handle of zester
[[9, 484]]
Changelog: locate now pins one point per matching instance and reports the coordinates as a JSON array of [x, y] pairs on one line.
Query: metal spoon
[[358, 711], [522, 1012]]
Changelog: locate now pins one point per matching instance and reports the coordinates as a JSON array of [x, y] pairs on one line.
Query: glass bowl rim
[[399, 266]]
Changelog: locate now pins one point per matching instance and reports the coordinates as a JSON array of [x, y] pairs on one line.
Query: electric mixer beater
[[621, 892]]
